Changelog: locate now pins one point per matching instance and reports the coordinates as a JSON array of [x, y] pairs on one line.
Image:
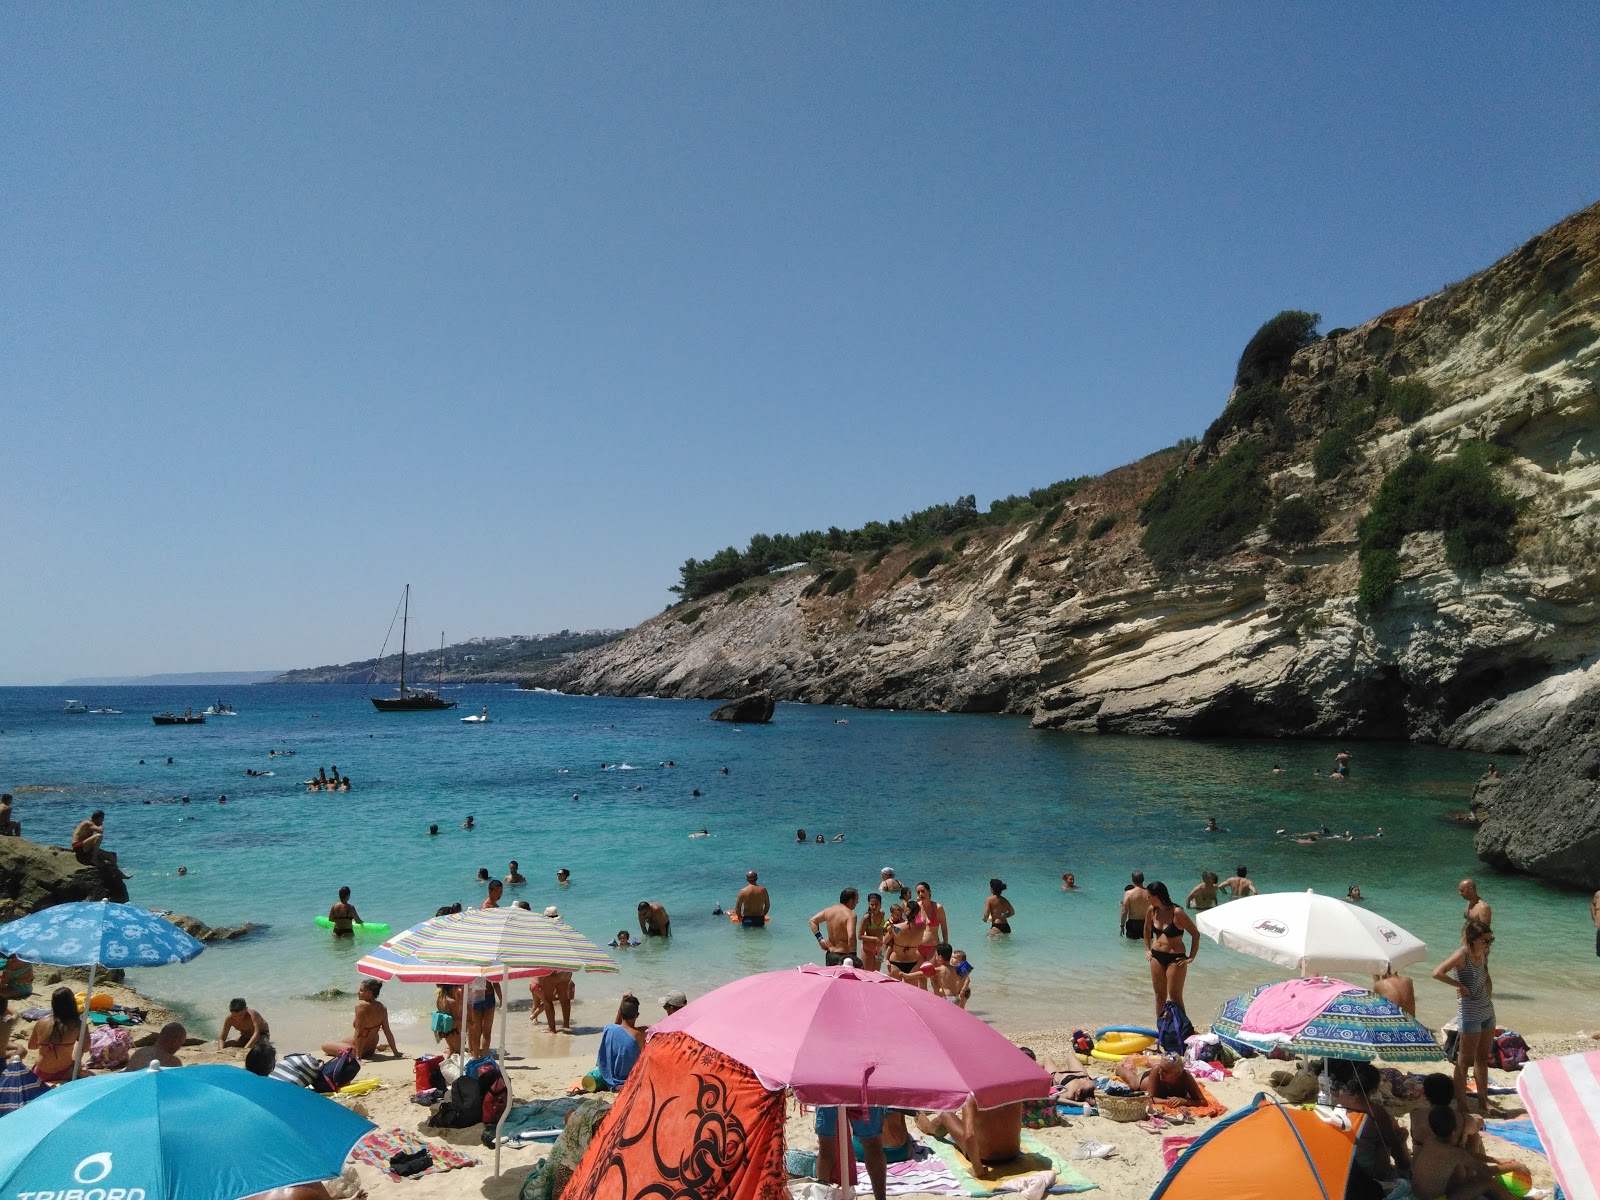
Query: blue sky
[[524, 304]]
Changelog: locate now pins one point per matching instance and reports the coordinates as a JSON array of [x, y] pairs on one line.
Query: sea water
[[954, 800]]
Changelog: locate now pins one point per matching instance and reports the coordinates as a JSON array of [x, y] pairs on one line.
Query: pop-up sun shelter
[[1264, 1151]]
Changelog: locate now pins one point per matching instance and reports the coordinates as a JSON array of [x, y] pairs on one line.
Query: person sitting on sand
[[1160, 1077], [343, 916], [164, 1050], [1444, 1169], [86, 844], [653, 920], [261, 1060], [1396, 989], [985, 1137], [56, 1038], [620, 1044], [16, 982], [371, 1023], [1381, 1154], [245, 1021]]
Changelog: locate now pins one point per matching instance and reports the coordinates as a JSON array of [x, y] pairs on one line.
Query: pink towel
[[1287, 1008]]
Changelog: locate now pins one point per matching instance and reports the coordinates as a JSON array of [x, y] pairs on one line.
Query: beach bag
[[109, 1047], [492, 1086], [463, 1108], [1511, 1050], [1174, 1028], [426, 1069], [337, 1072]]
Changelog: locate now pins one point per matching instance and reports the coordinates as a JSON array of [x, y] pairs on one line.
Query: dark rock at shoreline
[[34, 877], [332, 993], [200, 931], [1542, 817], [754, 709]]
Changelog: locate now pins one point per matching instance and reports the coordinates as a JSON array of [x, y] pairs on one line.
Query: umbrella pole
[[505, 1077], [843, 1160], [83, 1022]]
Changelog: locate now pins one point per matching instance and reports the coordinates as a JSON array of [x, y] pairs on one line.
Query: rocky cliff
[[1254, 628], [34, 877]]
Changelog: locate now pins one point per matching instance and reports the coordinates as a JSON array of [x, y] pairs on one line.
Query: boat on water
[[187, 717], [412, 699], [106, 712], [75, 706], [219, 709], [482, 718]]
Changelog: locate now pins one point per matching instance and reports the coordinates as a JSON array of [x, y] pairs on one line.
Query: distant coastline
[[176, 679]]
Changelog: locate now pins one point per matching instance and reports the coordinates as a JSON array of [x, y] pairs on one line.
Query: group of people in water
[[328, 780]]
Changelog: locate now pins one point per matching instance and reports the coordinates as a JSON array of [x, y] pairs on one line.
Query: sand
[[540, 1065]]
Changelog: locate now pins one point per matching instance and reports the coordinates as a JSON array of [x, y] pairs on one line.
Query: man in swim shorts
[[653, 920], [1477, 906], [866, 1128], [839, 943], [86, 840], [246, 1022], [1238, 885], [1135, 904], [752, 904], [343, 915]]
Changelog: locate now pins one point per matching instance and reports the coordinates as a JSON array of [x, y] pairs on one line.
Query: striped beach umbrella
[[506, 938], [386, 962], [1356, 1024]]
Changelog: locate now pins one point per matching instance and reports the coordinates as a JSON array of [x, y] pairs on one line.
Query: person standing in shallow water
[[997, 910], [1135, 904], [1164, 927], [343, 916], [1204, 894]]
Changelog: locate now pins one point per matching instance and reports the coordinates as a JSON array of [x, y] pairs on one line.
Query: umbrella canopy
[[1563, 1098], [18, 1085], [845, 1036], [192, 1133], [97, 933], [1311, 934], [512, 937], [388, 963], [1355, 1024], [1263, 1151]]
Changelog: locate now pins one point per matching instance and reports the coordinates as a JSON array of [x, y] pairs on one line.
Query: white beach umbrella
[[1311, 934]]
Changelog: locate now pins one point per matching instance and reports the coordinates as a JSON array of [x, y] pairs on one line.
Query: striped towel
[[926, 1176], [379, 1146]]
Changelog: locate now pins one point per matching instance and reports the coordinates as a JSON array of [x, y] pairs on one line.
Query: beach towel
[[1172, 1149], [550, 1176], [1519, 1133], [1211, 1108], [689, 1122], [916, 1176], [537, 1119], [1283, 1011], [379, 1146], [1035, 1157]]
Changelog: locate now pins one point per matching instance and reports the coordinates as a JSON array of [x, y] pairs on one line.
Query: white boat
[[75, 706], [107, 712], [219, 709], [482, 718]]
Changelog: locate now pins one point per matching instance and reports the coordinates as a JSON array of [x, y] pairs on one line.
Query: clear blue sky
[[524, 304]]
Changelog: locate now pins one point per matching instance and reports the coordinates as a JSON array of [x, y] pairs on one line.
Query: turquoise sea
[[950, 799]]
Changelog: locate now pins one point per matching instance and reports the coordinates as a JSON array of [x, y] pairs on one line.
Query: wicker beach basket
[[1122, 1108]]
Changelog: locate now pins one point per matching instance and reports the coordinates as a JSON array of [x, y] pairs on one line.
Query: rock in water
[[1542, 817], [754, 709], [200, 931], [34, 877]]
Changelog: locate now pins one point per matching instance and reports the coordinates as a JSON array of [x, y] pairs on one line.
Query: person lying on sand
[[984, 1136], [1160, 1076]]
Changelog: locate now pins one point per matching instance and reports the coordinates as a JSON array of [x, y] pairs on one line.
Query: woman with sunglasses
[[1474, 1008]]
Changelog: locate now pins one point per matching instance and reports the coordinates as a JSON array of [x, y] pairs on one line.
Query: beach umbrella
[[506, 939], [1311, 934], [1354, 1023], [96, 933], [190, 1133], [18, 1085], [844, 1036], [1263, 1151], [386, 962], [1563, 1098]]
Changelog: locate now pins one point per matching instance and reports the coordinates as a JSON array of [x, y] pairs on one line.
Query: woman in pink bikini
[[56, 1038]]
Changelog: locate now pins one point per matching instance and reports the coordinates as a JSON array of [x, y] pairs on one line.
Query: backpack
[[1174, 1028], [463, 1107], [109, 1047], [492, 1086], [1511, 1051], [336, 1072]]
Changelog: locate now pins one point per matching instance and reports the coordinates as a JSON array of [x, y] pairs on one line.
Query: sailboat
[[412, 699]]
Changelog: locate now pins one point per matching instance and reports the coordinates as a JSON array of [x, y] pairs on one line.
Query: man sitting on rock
[[8, 827], [86, 844], [164, 1050]]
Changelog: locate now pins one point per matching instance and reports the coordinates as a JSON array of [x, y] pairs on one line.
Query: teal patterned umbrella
[[1357, 1024]]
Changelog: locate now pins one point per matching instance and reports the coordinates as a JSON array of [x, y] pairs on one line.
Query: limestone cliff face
[[1267, 639]]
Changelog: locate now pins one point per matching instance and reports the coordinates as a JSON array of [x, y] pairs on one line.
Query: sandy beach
[[542, 1066]]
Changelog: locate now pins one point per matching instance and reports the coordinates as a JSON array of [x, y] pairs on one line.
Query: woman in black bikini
[[1164, 928], [905, 937], [997, 909]]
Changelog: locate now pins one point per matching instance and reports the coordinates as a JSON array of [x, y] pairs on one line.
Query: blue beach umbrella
[[1356, 1024], [189, 1133], [96, 933]]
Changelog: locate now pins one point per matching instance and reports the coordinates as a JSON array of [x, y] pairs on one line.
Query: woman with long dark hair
[[1164, 927], [56, 1038], [997, 909]]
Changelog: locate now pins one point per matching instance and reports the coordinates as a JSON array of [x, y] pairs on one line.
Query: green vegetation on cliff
[[1205, 511]]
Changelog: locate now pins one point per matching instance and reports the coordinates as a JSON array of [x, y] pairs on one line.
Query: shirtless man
[[1477, 907], [1203, 895], [8, 827], [1396, 989], [371, 1021], [752, 904], [86, 839], [163, 1050], [1238, 885], [245, 1021], [925, 895], [513, 876], [1135, 904], [984, 1136], [343, 915], [653, 920], [496, 890], [839, 943]]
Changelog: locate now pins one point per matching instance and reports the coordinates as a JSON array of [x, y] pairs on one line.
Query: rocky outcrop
[[1543, 817], [1266, 639], [202, 932], [34, 877], [754, 709]]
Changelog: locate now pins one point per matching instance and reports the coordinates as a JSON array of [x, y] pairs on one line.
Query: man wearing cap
[[890, 883], [673, 1001], [753, 903]]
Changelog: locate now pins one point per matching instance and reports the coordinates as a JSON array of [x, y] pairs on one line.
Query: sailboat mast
[[440, 684], [404, 621]]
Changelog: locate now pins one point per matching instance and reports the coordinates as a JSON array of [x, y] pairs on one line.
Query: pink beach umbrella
[[845, 1036], [1563, 1098]]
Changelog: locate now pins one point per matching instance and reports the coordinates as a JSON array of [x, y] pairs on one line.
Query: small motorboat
[[188, 717], [106, 712], [219, 709], [482, 718], [75, 706]]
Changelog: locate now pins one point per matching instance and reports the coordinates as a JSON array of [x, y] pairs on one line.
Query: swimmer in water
[[563, 877], [821, 841], [1341, 765], [433, 831], [622, 941], [467, 824], [183, 870], [1277, 769], [1354, 894], [800, 835], [514, 877], [1069, 883], [1213, 827], [702, 833], [483, 875]]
